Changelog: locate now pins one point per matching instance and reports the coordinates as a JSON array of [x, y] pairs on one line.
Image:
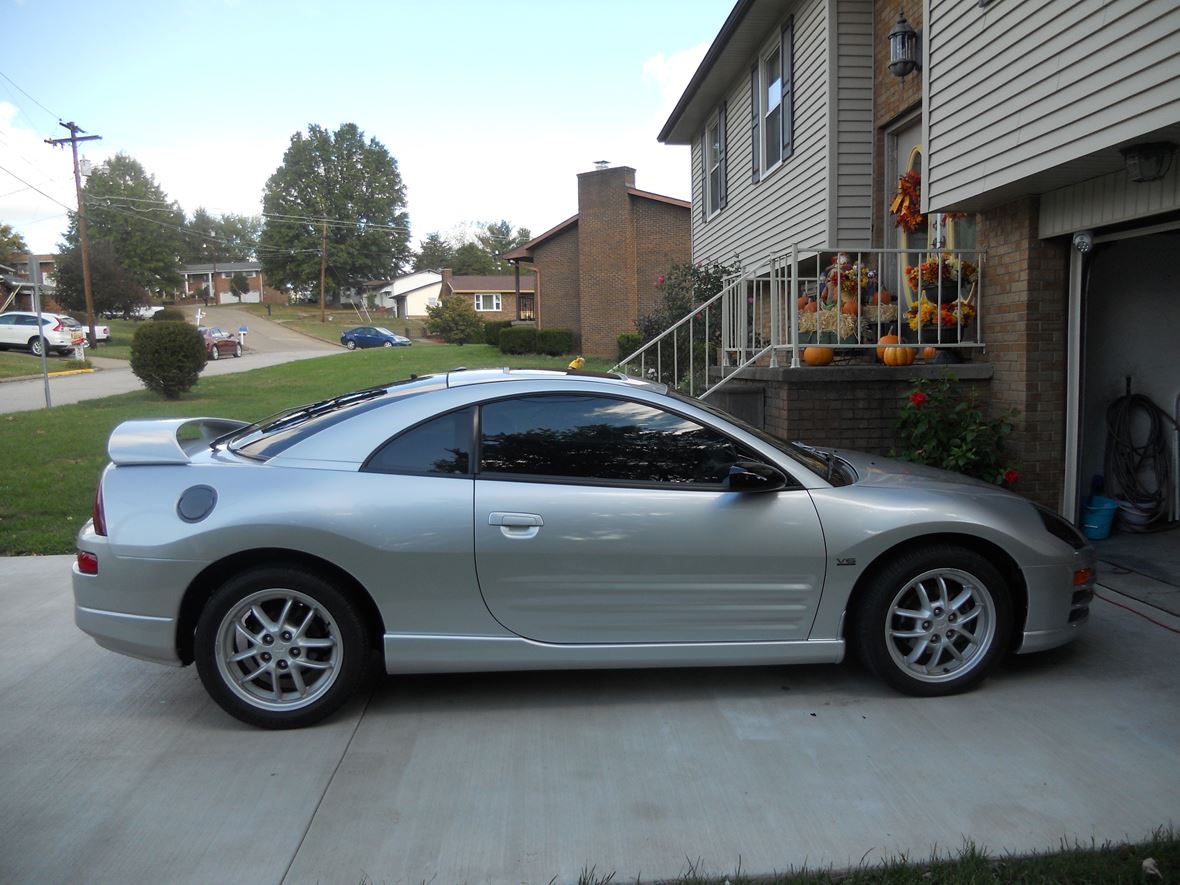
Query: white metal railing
[[846, 299]]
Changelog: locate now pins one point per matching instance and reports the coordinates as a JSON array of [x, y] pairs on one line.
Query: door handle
[[514, 520]]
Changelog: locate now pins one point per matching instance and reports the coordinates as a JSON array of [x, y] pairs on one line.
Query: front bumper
[[1058, 608]]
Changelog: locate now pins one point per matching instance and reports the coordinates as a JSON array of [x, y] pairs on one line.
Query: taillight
[[87, 563], [98, 514], [56, 326]]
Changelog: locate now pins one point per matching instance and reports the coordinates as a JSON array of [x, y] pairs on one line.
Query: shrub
[[492, 329], [170, 315], [454, 320], [555, 342], [629, 342], [167, 357], [518, 339], [941, 428]]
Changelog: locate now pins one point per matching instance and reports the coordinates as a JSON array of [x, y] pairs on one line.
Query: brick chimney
[[444, 291], [606, 258]]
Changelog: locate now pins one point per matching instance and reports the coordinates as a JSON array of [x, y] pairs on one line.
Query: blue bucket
[[1097, 515]]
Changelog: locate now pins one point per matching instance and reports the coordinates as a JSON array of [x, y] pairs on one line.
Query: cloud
[[36, 183]]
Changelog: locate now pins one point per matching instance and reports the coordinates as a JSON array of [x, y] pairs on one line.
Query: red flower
[[660, 279], [917, 398], [1010, 475]]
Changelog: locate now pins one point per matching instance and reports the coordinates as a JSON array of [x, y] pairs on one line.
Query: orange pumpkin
[[803, 301], [882, 297], [900, 356], [818, 356], [850, 307], [928, 353], [809, 307], [885, 339]]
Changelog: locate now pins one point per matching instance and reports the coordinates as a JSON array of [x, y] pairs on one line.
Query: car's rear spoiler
[[170, 441]]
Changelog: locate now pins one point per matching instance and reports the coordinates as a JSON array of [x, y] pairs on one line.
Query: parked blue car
[[372, 336]]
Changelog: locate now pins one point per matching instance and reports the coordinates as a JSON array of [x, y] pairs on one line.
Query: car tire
[[350, 344], [36, 345], [237, 350], [934, 621], [214, 353], [387, 344], [280, 647]]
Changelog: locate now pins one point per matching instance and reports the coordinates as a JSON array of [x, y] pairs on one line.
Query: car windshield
[[813, 461], [270, 436]]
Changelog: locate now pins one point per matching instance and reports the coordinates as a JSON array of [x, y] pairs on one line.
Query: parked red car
[[219, 343]]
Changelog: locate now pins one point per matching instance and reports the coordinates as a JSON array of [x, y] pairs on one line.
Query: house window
[[716, 173], [772, 115], [487, 301]]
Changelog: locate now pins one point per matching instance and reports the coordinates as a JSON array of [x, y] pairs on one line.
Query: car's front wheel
[[237, 350], [214, 353], [280, 648], [387, 344], [935, 621]]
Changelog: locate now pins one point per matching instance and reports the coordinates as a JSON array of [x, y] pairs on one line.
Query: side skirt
[[433, 653]]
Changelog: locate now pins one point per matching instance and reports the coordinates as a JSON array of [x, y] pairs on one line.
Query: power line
[[37, 189], [30, 98]]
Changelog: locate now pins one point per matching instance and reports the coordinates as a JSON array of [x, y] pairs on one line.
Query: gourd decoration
[[899, 356], [818, 356], [883, 342]]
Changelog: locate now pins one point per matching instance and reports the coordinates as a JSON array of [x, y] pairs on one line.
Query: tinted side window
[[441, 445], [600, 438]]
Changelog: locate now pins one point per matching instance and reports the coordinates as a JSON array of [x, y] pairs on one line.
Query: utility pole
[[75, 131], [323, 265]]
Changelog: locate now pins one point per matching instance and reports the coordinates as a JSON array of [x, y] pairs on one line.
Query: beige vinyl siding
[[1108, 199], [852, 33], [1019, 88], [790, 205]]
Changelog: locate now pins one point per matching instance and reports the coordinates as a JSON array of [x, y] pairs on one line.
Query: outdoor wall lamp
[[1149, 161], [904, 47]]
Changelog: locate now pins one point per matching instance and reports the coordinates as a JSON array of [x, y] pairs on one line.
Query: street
[[115, 770], [267, 344]]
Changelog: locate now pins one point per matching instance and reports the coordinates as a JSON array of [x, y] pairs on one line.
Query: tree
[[128, 210], [238, 285], [497, 239], [13, 248], [351, 187], [435, 253], [114, 289], [454, 320], [209, 239], [470, 258]]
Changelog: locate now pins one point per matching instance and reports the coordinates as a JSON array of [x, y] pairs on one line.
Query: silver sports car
[[509, 520]]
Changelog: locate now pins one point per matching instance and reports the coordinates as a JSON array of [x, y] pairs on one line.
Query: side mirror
[[750, 476]]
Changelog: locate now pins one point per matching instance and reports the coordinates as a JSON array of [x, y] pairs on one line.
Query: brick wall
[[606, 257], [558, 304], [1026, 292], [663, 237], [844, 407]]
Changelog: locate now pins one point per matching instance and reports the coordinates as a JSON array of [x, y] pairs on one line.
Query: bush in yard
[[169, 315], [167, 357], [455, 321], [492, 329], [629, 342], [555, 342], [518, 339]]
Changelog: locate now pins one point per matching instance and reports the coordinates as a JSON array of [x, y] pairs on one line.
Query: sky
[[490, 108]]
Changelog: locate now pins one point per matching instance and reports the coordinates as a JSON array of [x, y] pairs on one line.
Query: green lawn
[[52, 458]]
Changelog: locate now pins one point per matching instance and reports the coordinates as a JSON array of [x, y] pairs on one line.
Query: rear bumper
[[139, 636]]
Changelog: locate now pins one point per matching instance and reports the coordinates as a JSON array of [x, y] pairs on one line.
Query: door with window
[[604, 520]]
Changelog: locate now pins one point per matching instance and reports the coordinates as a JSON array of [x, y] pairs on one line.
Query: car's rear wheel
[[280, 648], [237, 350], [214, 353], [350, 344], [935, 621]]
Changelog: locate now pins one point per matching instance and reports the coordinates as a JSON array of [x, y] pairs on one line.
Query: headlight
[[1059, 527]]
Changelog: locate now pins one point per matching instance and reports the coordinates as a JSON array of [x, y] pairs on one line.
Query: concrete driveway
[[113, 770], [267, 344]]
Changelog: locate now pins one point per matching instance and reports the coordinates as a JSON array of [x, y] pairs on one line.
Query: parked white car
[[102, 332], [18, 331]]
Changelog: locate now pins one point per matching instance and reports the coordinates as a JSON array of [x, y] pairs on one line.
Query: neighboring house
[[597, 272], [1018, 124], [216, 279], [409, 296], [16, 286], [493, 297]]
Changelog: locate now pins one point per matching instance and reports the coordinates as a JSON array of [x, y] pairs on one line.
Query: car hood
[[876, 470]]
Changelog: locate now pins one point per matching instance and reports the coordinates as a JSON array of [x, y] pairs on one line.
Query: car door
[[604, 520], [9, 333]]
